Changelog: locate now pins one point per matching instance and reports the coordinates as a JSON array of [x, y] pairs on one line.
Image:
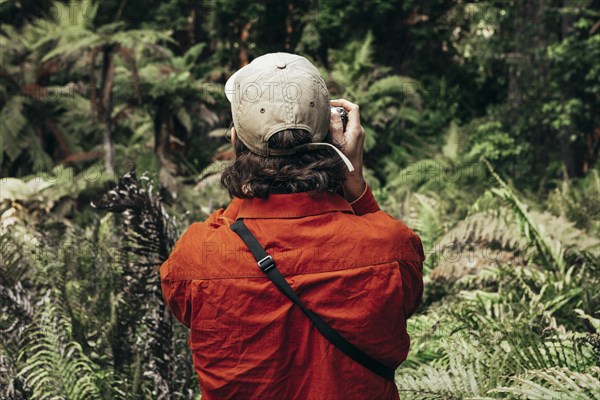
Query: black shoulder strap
[[267, 265]]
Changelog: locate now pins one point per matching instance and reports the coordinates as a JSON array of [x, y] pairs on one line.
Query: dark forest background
[[483, 135]]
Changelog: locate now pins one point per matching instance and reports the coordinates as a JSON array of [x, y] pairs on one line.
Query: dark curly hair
[[251, 175]]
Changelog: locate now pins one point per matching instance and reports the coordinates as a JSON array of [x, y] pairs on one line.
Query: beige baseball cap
[[279, 91]]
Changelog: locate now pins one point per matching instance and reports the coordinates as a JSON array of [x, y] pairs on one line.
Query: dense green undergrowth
[[482, 136]]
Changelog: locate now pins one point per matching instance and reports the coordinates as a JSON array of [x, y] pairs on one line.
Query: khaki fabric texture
[[274, 92]]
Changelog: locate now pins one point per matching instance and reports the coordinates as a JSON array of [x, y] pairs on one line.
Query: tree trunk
[[105, 108], [199, 17], [162, 133], [244, 34], [570, 158], [516, 57], [128, 55], [289, 25]]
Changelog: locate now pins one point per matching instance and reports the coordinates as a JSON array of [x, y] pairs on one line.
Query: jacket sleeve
[[365, 204], [411, 270], [176, 291], [176, 294], [411, 255], [412, 285]]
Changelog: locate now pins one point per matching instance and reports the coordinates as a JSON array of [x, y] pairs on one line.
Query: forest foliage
[[483, 135]]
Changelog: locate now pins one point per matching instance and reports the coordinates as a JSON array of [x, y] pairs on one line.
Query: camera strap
[[268, 267]]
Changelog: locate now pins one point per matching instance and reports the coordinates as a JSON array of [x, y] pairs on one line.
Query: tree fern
[[71, 32], [388, 102], [150, 234]]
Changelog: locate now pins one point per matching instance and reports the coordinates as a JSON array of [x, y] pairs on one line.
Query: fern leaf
[[54, 366], [12, 121], [555, 383]]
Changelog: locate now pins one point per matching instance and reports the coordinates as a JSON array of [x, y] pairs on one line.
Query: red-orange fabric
[[352, 264]]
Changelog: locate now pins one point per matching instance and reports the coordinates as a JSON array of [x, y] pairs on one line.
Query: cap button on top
[[281, 65]]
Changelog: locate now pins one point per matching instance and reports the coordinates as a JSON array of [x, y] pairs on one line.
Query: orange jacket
[[352, 264]]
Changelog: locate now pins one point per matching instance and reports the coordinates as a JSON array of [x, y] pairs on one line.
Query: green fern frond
[[52, 364], [579, 201], [471, 350], [71, 42], [552, 255], [396, 85], [364, 56], [501, 235], [425, 217], [140, 38], [455, 143], [12, 122], [460, 378], [555, 383]]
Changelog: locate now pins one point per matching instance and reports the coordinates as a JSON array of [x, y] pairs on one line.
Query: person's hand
[[352, 141]]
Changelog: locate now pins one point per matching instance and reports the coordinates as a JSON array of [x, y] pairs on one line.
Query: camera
[[343, 115]]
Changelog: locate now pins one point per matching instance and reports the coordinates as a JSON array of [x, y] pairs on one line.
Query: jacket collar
[[293, 205]]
